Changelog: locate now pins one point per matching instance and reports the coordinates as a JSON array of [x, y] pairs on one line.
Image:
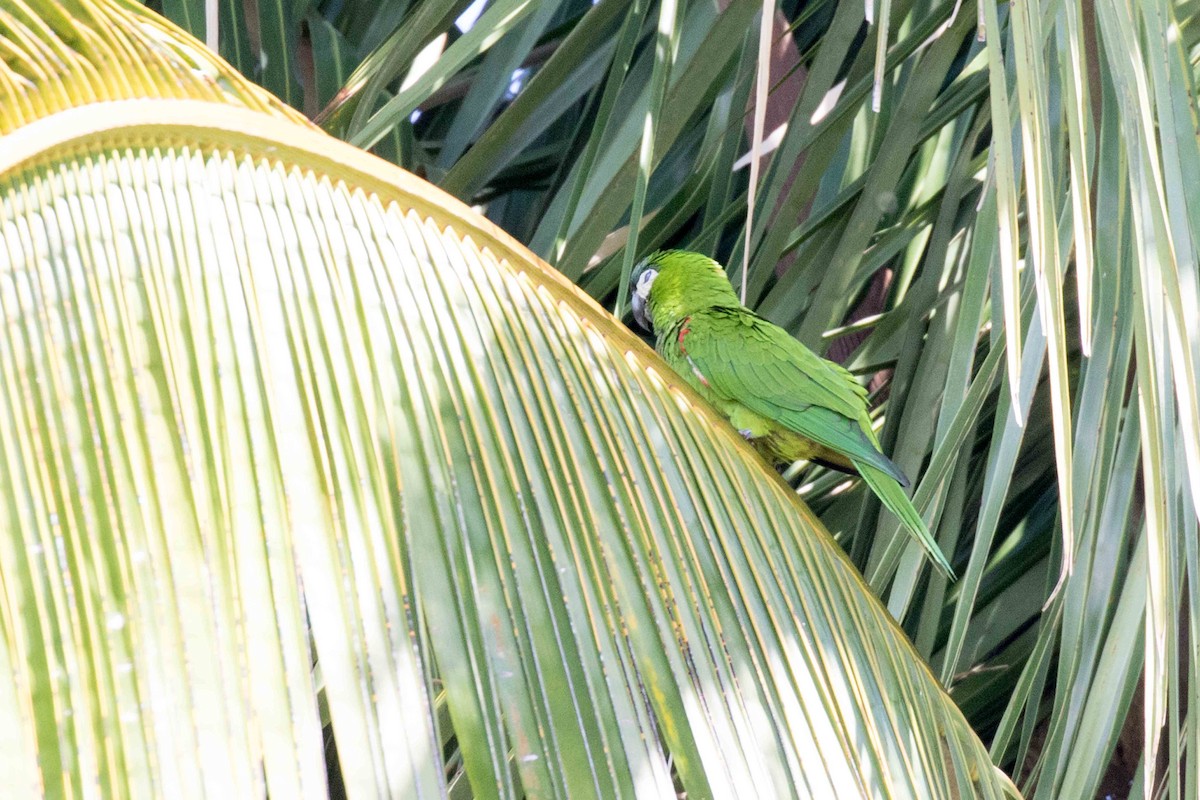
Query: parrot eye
[[642, 289], [641, 298]]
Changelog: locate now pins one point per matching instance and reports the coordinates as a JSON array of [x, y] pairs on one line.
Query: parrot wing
[[750, 361]]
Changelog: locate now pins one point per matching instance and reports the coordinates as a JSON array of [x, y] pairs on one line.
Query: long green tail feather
[[893, 496]]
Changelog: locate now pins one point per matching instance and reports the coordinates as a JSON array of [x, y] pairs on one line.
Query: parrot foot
[[746, 433]]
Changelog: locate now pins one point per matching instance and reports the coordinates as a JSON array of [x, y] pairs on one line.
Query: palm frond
[[300, 450]]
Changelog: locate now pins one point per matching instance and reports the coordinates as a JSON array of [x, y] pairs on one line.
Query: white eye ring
[[645, 280]]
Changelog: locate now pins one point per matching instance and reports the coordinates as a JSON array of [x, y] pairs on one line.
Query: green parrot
[[786, 400]]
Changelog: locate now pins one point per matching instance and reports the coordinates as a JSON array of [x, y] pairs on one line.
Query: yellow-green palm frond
[[312, 476]]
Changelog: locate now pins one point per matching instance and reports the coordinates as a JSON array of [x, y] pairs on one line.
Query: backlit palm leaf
[[296, 447]]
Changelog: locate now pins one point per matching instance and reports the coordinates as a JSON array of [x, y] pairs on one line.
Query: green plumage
[[786, 400]]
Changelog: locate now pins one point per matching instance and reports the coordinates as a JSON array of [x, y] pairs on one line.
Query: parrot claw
[[746, 433]]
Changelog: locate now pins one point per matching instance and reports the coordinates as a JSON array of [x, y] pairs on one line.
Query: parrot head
[[668, 285]]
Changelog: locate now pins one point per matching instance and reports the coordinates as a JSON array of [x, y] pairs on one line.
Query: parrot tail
[[893, 496]]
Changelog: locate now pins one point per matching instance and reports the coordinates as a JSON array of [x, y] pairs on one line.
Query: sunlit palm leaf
[[286, 432]]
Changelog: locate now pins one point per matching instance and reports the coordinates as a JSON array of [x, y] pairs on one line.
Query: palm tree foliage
[[315, 482], [1011, 237]]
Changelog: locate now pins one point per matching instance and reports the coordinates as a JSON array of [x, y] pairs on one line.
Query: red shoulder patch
[[684, 330]]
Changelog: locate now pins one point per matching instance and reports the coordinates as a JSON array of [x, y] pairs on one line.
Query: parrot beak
[[643, 278]]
